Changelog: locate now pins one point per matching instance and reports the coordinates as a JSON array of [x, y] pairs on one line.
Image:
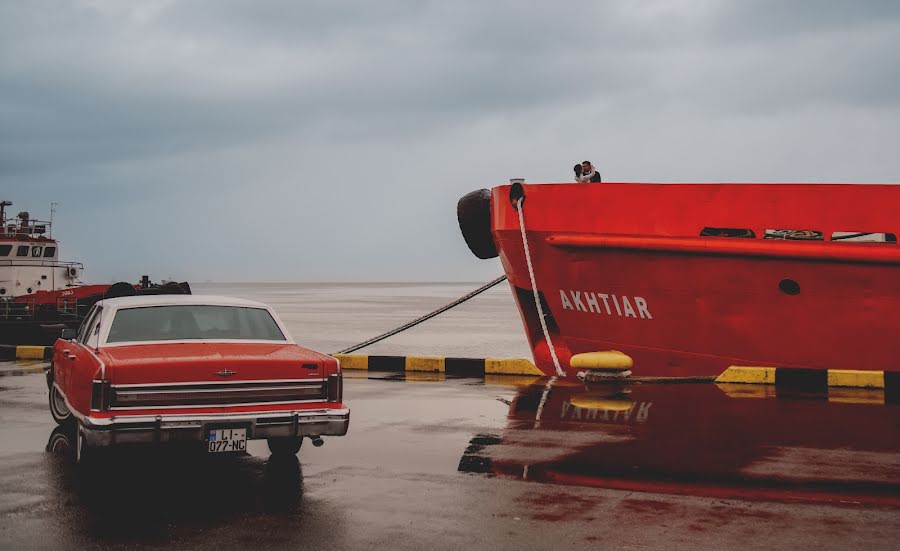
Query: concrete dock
[[505, 463]]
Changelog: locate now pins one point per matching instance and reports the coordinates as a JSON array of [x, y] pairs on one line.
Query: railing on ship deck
[[28, 261], [11, 309], [68, 307]]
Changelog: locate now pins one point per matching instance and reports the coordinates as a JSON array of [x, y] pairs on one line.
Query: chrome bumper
[[195, 428]]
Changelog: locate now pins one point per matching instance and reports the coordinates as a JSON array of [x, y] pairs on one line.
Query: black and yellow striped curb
[[836, 384], [26, 352], [472, 367]]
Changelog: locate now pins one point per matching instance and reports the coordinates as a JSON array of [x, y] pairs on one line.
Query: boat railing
[[67, 307], [42, 263], [27, 309], [14, 309]]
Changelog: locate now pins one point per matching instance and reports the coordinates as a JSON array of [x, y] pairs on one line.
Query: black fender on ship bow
[[474, 214]]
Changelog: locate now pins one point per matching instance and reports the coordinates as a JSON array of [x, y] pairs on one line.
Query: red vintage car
[[170, 368]]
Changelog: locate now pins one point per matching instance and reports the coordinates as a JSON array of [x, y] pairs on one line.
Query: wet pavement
[[503, 463]]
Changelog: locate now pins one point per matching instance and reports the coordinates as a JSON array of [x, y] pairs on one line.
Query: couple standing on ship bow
[[585, 173]]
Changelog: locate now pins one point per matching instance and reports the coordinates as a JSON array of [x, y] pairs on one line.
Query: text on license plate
[[227, 440]]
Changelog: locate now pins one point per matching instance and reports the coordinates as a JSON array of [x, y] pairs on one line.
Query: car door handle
[[68, 354]]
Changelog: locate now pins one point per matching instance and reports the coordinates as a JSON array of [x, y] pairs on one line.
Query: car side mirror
[[68, 334]]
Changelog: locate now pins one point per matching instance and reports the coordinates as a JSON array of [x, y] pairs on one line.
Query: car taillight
[[100, 395], [335, 387]]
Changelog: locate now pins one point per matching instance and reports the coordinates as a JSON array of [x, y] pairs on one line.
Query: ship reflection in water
[[721, 440]]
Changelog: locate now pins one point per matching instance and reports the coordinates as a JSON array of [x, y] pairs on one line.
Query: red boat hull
[[39, 318], [625, 267]]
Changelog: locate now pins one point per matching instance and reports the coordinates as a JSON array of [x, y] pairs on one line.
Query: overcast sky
[[312, 141]]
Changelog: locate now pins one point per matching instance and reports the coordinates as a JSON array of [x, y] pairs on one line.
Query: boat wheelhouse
[[40, 295], [29, 257]]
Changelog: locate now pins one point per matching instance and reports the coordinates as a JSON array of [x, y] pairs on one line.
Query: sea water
[[329, 317]]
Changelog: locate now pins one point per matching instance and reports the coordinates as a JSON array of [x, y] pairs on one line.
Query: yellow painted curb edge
[[748, 375], [846, 378], [353, 361], [855, 379], [425, 363], [31, 352], [505, 366], [438, 364]]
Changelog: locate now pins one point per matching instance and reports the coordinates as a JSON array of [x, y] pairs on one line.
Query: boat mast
[[52, 213], [3, 205]]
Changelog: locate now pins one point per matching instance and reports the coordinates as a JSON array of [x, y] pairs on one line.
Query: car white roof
[[112, 305], [173, 300]]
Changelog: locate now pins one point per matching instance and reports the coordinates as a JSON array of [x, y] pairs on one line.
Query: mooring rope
[[427, 316], [534, 289]]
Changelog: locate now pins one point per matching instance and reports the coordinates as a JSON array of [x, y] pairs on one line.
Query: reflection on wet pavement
[[726, 440], [394, 481], [141, 491]]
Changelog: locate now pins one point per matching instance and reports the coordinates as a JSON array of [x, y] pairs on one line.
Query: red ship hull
[[626, 267]]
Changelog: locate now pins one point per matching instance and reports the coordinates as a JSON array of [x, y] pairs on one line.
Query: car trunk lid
[[204, 374]]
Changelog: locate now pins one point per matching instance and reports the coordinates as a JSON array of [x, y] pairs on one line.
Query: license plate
[[227, 440]]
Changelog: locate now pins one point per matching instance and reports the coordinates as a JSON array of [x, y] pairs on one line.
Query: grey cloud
[[178, 120], [208, 74], [765, 20]]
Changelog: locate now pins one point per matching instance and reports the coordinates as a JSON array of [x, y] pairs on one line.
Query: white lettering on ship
[[622, 306]]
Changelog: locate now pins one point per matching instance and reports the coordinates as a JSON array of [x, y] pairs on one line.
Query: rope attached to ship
[[426, 317], [534, 288], [519, 202]]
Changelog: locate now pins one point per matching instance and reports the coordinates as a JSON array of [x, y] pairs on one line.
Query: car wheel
[[58, 408], [286, 446]]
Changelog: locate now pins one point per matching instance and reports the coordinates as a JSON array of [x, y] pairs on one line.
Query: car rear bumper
[[195, 428]]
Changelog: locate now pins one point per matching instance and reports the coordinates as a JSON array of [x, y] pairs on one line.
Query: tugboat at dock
[[40, 295]]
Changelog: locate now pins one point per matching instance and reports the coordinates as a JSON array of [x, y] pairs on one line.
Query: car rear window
[[193, 322]]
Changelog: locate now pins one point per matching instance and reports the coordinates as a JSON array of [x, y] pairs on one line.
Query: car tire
[[58, 408], [285, 446]]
